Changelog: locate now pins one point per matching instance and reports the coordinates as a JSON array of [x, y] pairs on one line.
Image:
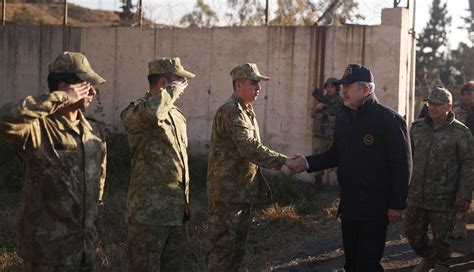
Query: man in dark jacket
[[372, 152]]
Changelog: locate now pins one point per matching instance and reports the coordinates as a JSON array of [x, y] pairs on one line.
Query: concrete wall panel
[[296, 58]]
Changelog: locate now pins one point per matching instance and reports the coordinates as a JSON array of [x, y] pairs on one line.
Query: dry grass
[[277, 214]]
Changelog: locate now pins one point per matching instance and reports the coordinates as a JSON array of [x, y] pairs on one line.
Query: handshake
[[296, 164]]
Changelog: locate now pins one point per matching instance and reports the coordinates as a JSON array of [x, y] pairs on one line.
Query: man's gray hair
[[371, 86]]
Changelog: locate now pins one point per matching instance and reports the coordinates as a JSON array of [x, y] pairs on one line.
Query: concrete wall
[[296, 58]]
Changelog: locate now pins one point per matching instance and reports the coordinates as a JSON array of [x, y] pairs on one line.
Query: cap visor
[[185, 74], [264, 78], [91, 77], [258, 78]]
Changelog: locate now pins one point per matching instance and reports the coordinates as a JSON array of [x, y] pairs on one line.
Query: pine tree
[[431, 48]]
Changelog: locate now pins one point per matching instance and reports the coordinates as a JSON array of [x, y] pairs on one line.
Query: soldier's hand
[[461, 204], [296, 164], [394, 216], [76, 92], [177, 87]]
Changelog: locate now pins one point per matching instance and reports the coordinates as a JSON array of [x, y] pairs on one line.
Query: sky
[[170, 11]]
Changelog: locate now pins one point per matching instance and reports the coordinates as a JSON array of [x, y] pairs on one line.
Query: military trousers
[[155, 248], [34, 267], [229, 225], [364, 244], [441, 222]]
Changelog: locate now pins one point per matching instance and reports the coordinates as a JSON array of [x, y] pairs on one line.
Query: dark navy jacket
[[372, 152]]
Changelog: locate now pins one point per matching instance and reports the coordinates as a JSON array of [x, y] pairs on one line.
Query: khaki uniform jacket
[[159, 187], [443, 164], [236, 154], [65, 176]]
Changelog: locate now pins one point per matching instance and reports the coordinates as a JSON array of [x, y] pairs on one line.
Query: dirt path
[[327, 255]]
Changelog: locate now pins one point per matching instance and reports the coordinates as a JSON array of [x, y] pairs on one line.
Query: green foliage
[[11, 173], [246, 13], [118, 162], [201, 16], [288, 13], [197, 173], [430, 52], [288, 190], [295, 12], [459, 68]]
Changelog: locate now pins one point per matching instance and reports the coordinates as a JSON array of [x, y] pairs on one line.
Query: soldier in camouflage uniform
[[64, 156], [461, 111], [158, 194], [327, 106], [442, 180], [235, 157]]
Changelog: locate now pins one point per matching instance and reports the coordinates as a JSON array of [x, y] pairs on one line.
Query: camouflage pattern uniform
[[443, 170], [158, 194], [324, 124], [461, 112], [65, 175], [235, 157]]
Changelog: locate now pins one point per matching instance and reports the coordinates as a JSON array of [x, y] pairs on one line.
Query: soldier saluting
[[64, 155]]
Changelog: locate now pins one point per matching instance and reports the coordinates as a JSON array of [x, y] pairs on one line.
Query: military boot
[[440, 268], [425, 265]]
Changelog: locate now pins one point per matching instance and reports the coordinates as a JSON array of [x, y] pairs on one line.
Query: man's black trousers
[[364, 243]]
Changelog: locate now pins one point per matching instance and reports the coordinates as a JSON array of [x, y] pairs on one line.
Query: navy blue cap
[[354, 73]]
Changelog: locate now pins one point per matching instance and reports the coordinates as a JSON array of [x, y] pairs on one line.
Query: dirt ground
[[327, 255], [281, 238]]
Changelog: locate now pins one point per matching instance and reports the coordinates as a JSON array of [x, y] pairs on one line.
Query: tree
[[295, 12], [339, 12], [247, 12], [127, 10], [431, 48], [459, 67], [201, 16], [289, 12]]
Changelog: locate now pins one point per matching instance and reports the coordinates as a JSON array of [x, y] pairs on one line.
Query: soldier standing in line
[[64, 156], [442, 179], [327, 106], [158, 194], [461, 112], [235, 157]]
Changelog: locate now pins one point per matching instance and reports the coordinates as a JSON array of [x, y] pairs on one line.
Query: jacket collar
[[449, 120], [368, 103], [240, 103]]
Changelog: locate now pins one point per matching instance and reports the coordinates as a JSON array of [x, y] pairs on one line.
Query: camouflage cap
[[168, 65], [75, 63], [440, 95], [468, 87], [249, 71]]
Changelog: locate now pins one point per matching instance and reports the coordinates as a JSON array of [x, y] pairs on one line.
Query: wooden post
[[266, 12], [65, 30], [140, 13], [4, 11]]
